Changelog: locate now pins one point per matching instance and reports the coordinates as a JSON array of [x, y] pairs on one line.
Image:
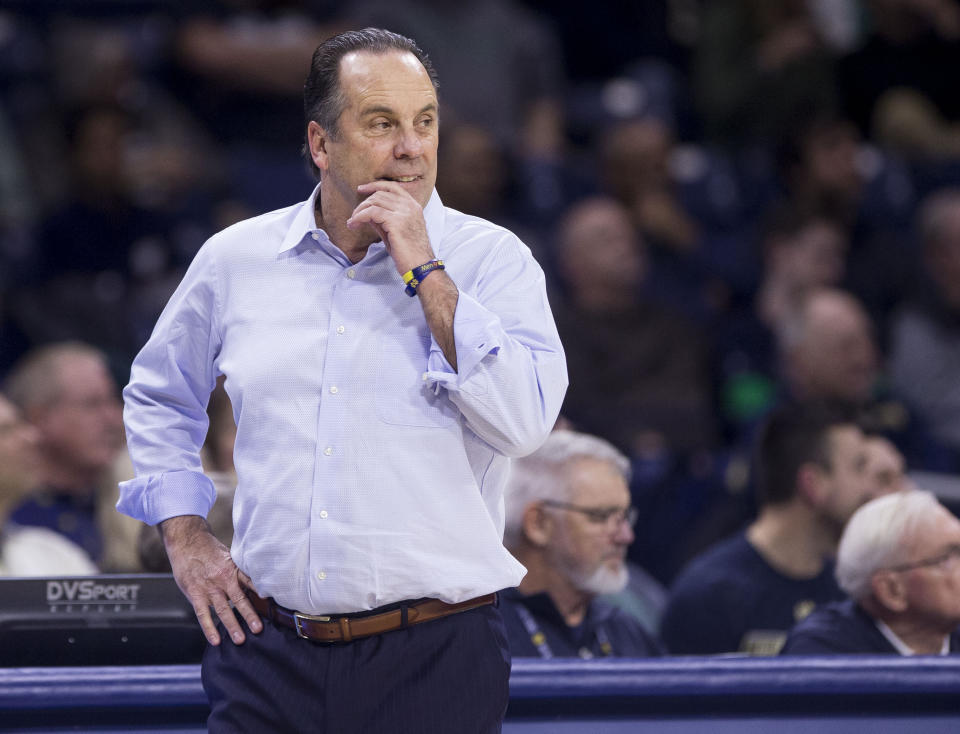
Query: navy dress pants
[[446, 676]]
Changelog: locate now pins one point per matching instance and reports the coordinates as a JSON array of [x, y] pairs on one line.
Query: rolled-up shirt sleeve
[[165, 403], [512, 373]]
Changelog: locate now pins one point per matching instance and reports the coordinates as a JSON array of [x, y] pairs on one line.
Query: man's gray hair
[[36, 380], [876, 536], [542, 475]]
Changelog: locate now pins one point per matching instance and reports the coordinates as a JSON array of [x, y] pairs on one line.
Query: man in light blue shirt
[[384, 356]]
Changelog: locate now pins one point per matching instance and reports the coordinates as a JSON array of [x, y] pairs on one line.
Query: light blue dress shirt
[[369, 471]]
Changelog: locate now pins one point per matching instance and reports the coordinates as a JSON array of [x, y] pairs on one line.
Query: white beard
[[603, 580]]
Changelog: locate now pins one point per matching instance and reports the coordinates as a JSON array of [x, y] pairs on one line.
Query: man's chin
[[606, 580]]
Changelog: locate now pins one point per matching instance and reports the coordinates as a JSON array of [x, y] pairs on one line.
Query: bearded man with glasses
[[899, 562], [570, 522]]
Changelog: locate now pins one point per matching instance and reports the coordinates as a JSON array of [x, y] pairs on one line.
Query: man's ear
[[537, 525], [888, 589], [811, 484], [317, 139]]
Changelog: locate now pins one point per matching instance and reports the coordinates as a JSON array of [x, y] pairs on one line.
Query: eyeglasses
[[948, 557], [612, 517]]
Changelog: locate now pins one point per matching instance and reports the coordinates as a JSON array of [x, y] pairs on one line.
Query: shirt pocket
[[404, 396]]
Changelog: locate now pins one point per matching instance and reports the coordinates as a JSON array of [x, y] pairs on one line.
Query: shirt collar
[[304, 222], [902, 647]]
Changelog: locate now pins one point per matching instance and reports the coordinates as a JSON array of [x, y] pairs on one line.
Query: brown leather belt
[[344, 628]]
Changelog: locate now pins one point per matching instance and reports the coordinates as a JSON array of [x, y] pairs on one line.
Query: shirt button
[[323, 514], [334, 390], [351, 273], [315, 236], [328, 451], [425, 377], [340, 329], [321, 575]]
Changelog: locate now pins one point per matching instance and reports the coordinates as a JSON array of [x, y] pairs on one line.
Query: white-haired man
[[899, 562], [570, 522]]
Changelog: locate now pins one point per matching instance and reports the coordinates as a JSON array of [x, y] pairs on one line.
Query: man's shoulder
[[837, 627], [466, 229], [262, 233], [718, 562]]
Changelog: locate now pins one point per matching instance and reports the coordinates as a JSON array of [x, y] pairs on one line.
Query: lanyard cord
[[539, 639]]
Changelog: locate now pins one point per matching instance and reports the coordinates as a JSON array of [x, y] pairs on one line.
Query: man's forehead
[[367, 70], [597, 479]]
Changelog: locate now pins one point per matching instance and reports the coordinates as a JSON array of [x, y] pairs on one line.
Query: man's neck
[[70, 480], [791, 539], [353, 243], [542, 578]]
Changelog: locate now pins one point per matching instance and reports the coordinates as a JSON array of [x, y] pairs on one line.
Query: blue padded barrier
[[677, 695]]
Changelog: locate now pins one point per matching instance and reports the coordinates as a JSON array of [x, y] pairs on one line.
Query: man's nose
[[409, 144], [624, 533]]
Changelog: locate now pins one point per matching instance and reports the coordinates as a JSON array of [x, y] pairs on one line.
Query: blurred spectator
[[688, 203], [889, 85], [569, 521], [759, 64], [102, 252], [925, 336], [638, 371], [802, 250], [634, 161], [241, 64], [28, 551], [743, 594], [828, 352], [824, 165], [899, 563], [67, 393]]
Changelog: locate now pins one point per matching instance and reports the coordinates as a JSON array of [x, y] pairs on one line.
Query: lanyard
[[539, 639]]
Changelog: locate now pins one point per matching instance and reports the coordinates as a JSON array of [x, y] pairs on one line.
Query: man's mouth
[[400, 179]]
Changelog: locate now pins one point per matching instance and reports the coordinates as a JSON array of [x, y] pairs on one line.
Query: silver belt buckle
[[299, 617]]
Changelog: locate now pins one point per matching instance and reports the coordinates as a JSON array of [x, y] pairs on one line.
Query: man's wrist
[[414, 277], [179, 529]]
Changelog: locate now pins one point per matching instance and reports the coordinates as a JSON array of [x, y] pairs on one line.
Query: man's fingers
[[225, 612], [245, 581], [206, 624], [249, 614]]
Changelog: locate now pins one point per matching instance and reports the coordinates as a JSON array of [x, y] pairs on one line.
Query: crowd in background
[[736, 202]]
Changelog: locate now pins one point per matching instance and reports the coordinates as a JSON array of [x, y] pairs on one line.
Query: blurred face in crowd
[[813, 257], [472, 170], [830, 158], [19, 460], [81, 430], [932, 587], [600, 246], [846, 483], [885, 466], [835, 358], [635, 158], [591, 551], [388, 129]]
